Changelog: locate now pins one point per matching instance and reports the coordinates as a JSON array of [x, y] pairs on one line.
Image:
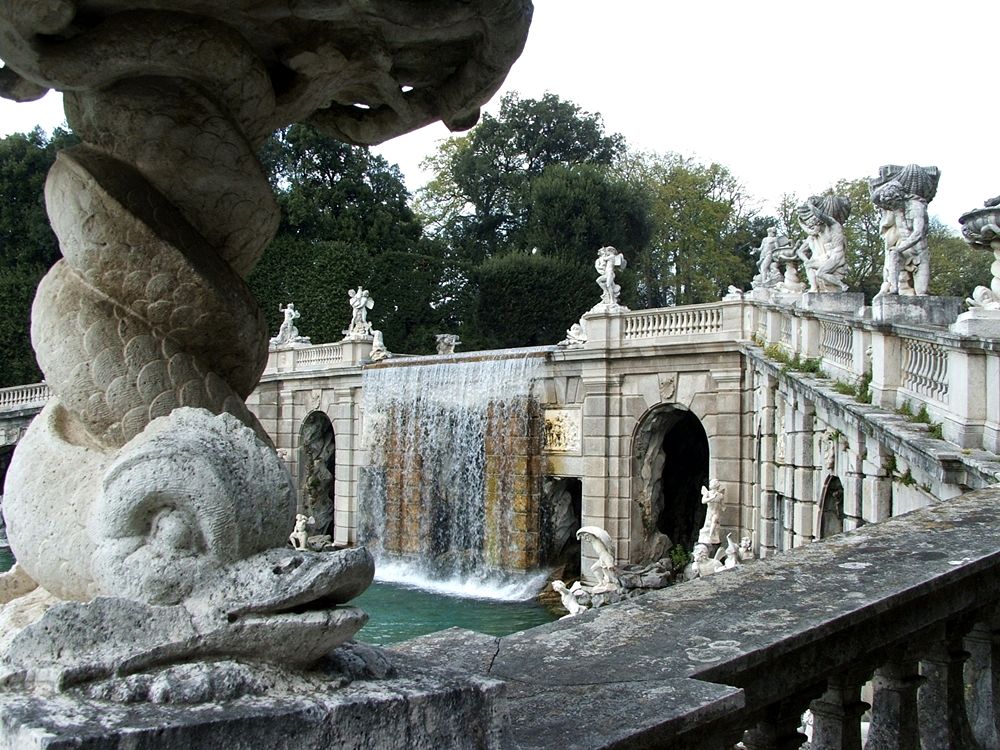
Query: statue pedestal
[[838, 302], [421, 707], [924, 310], [978, 322]]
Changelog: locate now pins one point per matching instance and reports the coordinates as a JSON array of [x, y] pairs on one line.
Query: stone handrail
[[690, 320], [322, 355], [907, 603], [909, 366], [24, 396]]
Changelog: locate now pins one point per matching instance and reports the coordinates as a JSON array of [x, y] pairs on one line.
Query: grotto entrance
[[317, 462], [831, 519]]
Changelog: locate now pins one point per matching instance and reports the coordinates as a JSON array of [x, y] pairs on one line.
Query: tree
[[479, 196], [956, 267], [28, 247], [704, 230], [346, 222]]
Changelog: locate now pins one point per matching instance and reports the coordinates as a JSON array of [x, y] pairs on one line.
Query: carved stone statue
[[788, 257], [745, 552], [361, 302], [288, 334], [299, 538], [605, 568], [702, 563], [177, 517], [379, 352], [608, 259], [446, 343], [576, 336], [902, 194], [729, 555], [712, 497], [768, 273], [567, 597], [824, 250], [981, 228]]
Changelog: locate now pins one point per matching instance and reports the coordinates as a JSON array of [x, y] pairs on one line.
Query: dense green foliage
[[28, 247], [345, 221]]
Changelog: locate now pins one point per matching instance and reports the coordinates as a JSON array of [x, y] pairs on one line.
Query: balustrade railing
[[925, 369], [691, 320], [319, 356], [837, 343], [24, 396]]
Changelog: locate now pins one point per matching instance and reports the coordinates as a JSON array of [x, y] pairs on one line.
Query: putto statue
[[608, 259], [288, 334], [712, 497], [446, 342], [604, 568], [576, 336], [768, 273], [824, 250], [902, 194], [360, 329], [568, 598]]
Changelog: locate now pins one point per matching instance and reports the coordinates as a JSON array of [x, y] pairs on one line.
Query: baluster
[[983, 642], [894, 707], [944, 723], [837, 714]]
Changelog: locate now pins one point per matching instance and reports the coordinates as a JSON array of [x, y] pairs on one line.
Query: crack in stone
[[496, 653]]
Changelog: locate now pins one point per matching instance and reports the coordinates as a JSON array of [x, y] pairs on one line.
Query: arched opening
[[831, 519], [561, 511], [317, 461], [670, 466]]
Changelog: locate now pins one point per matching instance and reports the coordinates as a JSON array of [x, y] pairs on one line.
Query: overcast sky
[[790, 96]]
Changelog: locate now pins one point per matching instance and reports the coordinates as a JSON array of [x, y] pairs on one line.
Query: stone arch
[[317, 468], [831, 513], [670, 464]]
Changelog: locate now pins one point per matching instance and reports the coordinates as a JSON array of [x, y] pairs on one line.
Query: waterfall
[[449, 498]]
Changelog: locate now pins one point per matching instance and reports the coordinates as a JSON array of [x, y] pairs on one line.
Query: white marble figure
[[568, 598], [824, 250], [729, 555], [902, 194], [702, 564], [446, 343], [733, 294], [600, 541], [608, 259], [768, 273], [576, 336], [379, 352], [712, 498], [288, 333], [360, 328], [745, 552], [788, 257], [299, 538]]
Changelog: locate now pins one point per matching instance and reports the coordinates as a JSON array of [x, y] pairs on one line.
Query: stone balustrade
[[909, 605], [910, 366], [31, 396]]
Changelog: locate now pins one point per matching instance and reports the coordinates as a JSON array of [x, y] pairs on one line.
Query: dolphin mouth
[[286, 582]]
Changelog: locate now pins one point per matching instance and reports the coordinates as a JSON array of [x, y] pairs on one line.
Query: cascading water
[[449, 499]]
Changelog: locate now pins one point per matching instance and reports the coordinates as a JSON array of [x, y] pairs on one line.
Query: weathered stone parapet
[[675, 669]]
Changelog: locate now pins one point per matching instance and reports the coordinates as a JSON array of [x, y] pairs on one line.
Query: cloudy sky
[[791, 96]]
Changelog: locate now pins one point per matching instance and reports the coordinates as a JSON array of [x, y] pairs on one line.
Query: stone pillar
[[944, 722], [802, 437], [877, 490], [967, 388], [894, 707], [810, 337], [726, 446], [766, 465], [837, 714], [886, 368], [345, 417]]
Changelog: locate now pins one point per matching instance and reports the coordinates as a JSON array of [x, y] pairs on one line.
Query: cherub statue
[[608, 258], [288, 333], [576, 336], [745, 551], [729, 555], [446, 343], [605, 569], [712, 498], [361, 303], [567, 597], [299, 537], [701, 564]]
